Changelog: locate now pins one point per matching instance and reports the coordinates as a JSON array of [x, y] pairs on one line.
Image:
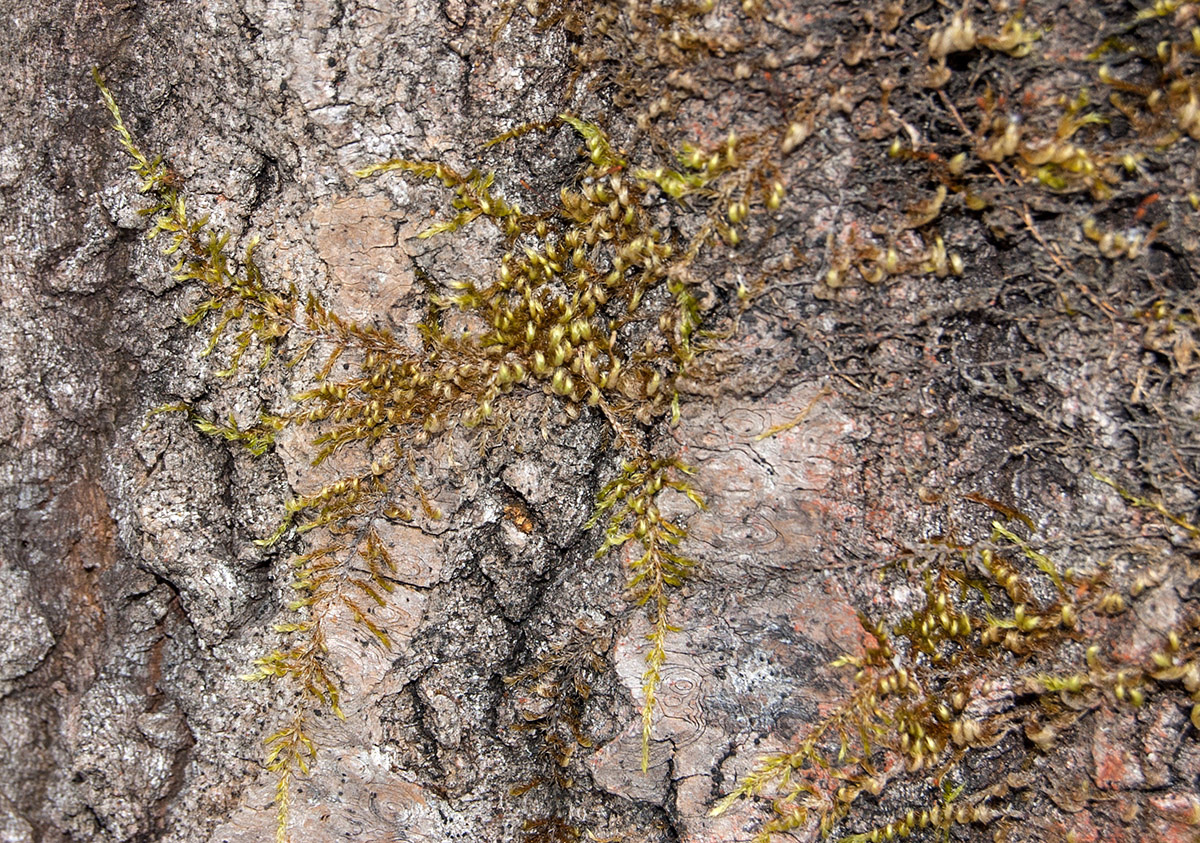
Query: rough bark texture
[[132, 596]]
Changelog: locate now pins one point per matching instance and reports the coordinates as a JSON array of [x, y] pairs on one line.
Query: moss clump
[[940, 686], [549, 698], [591, 302], [629, 504]]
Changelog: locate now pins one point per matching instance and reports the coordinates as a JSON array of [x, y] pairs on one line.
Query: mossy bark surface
[[855, 424]]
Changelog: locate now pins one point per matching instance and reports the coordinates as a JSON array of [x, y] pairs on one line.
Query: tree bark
[[849, 437]]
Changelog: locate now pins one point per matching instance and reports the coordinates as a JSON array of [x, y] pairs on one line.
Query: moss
[[633, 516], [549, 698], [574, 310], [998, 617]]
